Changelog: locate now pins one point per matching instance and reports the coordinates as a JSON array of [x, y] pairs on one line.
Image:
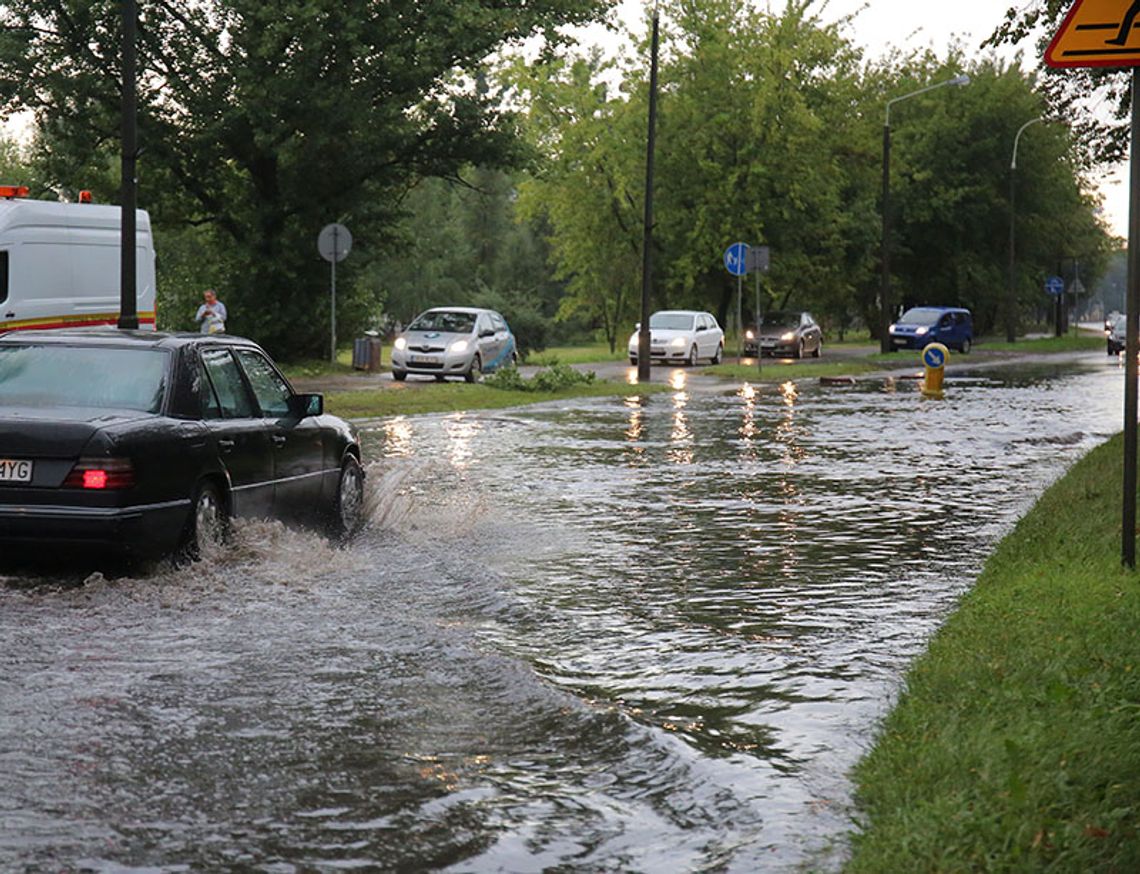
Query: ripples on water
[[603, 636]]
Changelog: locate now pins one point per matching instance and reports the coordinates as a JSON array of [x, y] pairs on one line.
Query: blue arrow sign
[[933, 357], [736, 259], [1055, 285]]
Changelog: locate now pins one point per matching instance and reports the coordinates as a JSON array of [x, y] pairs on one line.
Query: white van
[[60, 263]]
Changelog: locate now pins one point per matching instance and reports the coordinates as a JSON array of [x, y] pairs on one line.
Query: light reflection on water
[[624, 635]]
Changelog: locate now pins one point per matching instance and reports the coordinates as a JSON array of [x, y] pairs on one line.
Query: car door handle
[[225, 445], [278, 440]]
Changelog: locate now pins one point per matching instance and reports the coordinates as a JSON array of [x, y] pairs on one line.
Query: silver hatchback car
[[454, 341]]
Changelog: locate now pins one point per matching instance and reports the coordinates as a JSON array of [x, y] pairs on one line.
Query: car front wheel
[[818, 351], [347, 512], [399, 375], [475, 370], [693, 356]]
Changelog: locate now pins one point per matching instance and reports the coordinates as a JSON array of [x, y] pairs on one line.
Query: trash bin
[[366, 353]]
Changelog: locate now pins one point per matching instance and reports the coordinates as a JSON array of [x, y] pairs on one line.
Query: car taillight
[[101, 473]]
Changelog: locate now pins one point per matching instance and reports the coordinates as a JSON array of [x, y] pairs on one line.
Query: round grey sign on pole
[[334, 242]]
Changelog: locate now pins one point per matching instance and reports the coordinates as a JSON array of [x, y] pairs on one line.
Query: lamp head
[[960, 80]]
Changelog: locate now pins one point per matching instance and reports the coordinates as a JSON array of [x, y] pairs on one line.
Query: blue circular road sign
[[1055, 285], [736, 259], [934, 356]]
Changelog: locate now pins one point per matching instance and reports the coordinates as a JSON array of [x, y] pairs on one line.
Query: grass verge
[[1016, 743], [398, 399]]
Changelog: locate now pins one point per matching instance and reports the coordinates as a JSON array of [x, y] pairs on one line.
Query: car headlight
[[401, 343], [459, 347], [749, 335], [788, 337], [921, 331], [891, 329], [678, 342]]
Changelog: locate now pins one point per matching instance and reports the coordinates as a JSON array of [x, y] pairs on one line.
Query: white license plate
[[15, 471], [424, 359]]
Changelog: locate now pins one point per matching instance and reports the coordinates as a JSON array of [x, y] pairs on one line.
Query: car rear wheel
[[965, 347], [475, 370], [719, 354], [633, 359], [347, 511], [209, 525]]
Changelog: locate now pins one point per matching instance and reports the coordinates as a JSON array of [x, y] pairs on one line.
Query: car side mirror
[[308, 405], [490, 332]]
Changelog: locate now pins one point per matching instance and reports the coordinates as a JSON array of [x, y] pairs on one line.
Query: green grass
[[397, 399], [1045, 345], [1016, 744], [585, 354]]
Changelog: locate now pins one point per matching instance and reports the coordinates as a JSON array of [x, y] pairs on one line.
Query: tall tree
[[264, 121]]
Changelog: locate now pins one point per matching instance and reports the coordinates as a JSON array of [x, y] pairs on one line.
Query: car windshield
[[782, 320], [445, 321], [921, 316], [671, 321], [82, 376]]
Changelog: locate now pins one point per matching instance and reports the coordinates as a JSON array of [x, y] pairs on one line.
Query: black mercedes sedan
[[147, 444]]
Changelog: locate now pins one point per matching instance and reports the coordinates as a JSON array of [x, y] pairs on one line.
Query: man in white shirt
[[212, 313]]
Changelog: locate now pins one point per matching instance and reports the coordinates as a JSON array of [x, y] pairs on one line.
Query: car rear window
[[87, 376]]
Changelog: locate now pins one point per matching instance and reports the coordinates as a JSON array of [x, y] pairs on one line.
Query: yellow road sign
[[1098, 33]]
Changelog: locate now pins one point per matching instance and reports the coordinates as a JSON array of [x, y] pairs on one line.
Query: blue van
[[953, 327]]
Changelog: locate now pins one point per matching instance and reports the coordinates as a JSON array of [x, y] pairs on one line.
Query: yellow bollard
[[934, 358]]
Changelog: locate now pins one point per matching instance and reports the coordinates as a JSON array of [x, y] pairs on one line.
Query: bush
[[552, 379]]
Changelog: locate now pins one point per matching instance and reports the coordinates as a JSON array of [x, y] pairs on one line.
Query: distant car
[[789, 334], [953, 327], [1116, 331], [683, 336], [454, 341], [146, 444]]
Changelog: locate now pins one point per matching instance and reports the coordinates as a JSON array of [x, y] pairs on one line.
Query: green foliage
[[556, 378], [769, 131], [262, 122], [1014, 745]]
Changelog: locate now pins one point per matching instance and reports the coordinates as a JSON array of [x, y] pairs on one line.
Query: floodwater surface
[[605, 635]]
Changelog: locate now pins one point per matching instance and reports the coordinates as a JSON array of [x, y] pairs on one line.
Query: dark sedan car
[[789, 334], [147, 444]]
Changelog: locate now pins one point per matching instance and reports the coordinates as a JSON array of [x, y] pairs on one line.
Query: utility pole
[[128, 275]]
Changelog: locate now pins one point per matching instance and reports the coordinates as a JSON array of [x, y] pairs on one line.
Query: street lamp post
[[1011, 297], [885, 294]]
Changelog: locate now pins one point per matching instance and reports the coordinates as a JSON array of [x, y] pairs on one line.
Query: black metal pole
[[885, 291], [1131, 345], [643, 352], [128, 276]]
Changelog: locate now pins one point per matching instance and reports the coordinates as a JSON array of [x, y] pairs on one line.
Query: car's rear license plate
[[15, 471]]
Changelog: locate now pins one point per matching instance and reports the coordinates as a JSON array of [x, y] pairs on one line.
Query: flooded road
[[606, 635]]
